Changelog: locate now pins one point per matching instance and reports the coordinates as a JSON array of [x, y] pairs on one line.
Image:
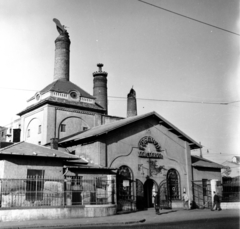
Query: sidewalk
[[140, 217]]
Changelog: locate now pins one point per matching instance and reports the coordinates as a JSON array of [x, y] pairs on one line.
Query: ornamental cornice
[[75, 111]]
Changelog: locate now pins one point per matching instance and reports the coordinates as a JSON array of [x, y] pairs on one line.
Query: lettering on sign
[[142, 144], [152, 155], [148, 139]]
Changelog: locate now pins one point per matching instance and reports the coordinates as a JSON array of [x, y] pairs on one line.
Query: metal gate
[[202, 197], [164, 198], [139, 195], [125, 190]]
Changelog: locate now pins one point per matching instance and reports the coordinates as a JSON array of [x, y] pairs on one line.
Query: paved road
[[194, 219], [226, 223]]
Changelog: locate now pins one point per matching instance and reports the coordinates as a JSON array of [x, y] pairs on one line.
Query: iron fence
[[201, 194], [41, 192], [231, 189], [230, 193]]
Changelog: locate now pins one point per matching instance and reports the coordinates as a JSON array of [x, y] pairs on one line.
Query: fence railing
[[40, 192], [230, 193], [231, 189]]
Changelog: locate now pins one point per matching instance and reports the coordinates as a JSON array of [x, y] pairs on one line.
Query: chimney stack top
[[100, 67]]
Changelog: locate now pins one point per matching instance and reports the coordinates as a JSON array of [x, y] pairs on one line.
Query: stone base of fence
[[230, 205], [57, 213]]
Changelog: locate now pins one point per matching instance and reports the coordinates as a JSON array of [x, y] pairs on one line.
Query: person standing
[[216, 202], [185, 199], [156, 202]]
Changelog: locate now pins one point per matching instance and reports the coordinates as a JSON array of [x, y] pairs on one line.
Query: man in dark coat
[[216, 202]]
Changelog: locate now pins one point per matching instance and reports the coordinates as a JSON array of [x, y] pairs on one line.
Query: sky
[[180, 68]]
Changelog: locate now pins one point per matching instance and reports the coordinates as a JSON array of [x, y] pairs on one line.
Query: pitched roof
[[62, 102], [102, 129], [63, 86], [29, 149], [202, 162]]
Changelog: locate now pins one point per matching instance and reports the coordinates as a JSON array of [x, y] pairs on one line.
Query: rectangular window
[[2, 134], [35, 183], [39, 129], [76, 188], [63, 128], [101, 182], [28, 133]]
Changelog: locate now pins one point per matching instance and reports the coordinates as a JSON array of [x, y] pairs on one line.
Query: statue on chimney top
[[60, 28]]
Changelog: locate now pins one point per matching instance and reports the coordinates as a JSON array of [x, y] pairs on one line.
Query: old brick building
[[149, 153]]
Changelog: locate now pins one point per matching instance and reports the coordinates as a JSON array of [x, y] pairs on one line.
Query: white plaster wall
[[31, 121], [2, 164]]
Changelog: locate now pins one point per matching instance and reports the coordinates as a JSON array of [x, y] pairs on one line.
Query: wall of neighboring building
[[30, 123], [2, 163], [109, 119], [50, 118], [231, 169], [3, 132], [9, 132], [200, 173], [74, 121], [90, 152], [17, 167], [19, 175]]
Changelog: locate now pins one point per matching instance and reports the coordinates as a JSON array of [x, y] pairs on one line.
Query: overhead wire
[[193, 19], [147, 99], [180, 101]]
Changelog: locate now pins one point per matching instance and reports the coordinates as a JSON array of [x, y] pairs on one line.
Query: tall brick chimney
[[100, 87], [131, 103], [62, 57]]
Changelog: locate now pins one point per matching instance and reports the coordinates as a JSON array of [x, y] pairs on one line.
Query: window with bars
[[173, 184], [35, 184], [124, 184], [101, 182]]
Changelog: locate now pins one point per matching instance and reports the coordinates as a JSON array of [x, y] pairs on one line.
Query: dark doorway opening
[[149, 187]]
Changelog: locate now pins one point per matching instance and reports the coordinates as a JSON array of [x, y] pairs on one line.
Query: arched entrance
[[125, 188], [149, 187]]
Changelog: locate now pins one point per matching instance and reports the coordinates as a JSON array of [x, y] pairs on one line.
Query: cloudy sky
[[185, 70]]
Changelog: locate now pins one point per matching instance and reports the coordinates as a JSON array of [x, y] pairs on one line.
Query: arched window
[[124, 185], [32, 133], [173, 185]]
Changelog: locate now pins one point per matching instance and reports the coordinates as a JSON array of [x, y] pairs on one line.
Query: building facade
[[148, 153]]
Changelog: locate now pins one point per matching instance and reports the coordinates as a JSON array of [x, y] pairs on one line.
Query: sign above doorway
[[146, 151]]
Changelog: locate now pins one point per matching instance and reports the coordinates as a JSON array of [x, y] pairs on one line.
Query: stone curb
[[74, 225]]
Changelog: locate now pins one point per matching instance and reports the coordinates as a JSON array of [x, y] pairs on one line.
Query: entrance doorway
[[149, 187]]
